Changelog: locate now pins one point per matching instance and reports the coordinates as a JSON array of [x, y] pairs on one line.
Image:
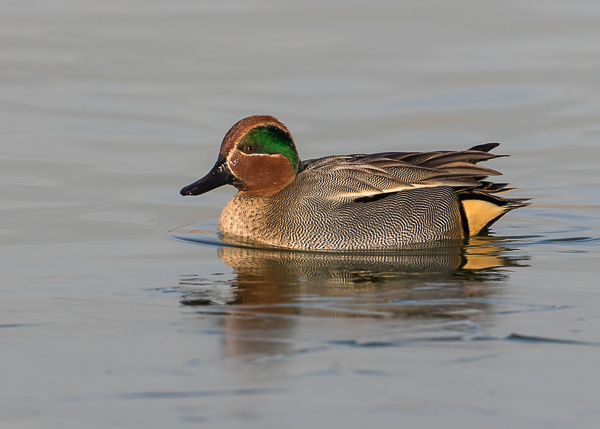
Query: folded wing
[[365, 178]]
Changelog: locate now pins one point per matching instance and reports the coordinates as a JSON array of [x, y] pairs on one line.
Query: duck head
[[258, 156]]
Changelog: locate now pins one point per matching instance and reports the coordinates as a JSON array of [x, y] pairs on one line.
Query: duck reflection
[[272, 288]]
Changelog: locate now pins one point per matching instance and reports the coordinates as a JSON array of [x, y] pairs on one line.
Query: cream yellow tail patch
[[479, 213]]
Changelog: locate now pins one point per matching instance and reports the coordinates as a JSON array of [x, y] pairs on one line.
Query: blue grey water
[[108, 318]]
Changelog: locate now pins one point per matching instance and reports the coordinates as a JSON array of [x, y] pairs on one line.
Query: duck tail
[[480, 208]]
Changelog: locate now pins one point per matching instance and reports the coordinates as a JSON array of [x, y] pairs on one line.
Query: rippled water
[[119, 307]]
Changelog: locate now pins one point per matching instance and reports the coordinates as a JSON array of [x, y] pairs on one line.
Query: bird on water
[[374, 201]]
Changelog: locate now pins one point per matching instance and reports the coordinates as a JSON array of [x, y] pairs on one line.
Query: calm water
[[111, 317]]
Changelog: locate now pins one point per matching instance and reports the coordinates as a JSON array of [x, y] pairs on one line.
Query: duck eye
[[248, 148]]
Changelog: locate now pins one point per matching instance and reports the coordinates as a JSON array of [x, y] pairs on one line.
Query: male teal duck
[[349, 202]]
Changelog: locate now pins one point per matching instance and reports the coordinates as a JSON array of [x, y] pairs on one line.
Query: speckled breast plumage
[[323, 211]]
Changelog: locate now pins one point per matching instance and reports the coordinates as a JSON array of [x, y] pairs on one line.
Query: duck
[[379, 201]]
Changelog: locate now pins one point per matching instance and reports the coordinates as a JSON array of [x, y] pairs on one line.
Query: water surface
[[109, 319]]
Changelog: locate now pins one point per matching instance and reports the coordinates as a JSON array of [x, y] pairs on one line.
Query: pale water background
[[108, 108]]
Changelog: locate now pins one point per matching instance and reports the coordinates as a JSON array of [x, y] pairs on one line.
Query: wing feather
[[363, 175]]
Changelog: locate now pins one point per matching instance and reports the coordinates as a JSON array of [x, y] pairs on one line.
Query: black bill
[[218, 176]]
